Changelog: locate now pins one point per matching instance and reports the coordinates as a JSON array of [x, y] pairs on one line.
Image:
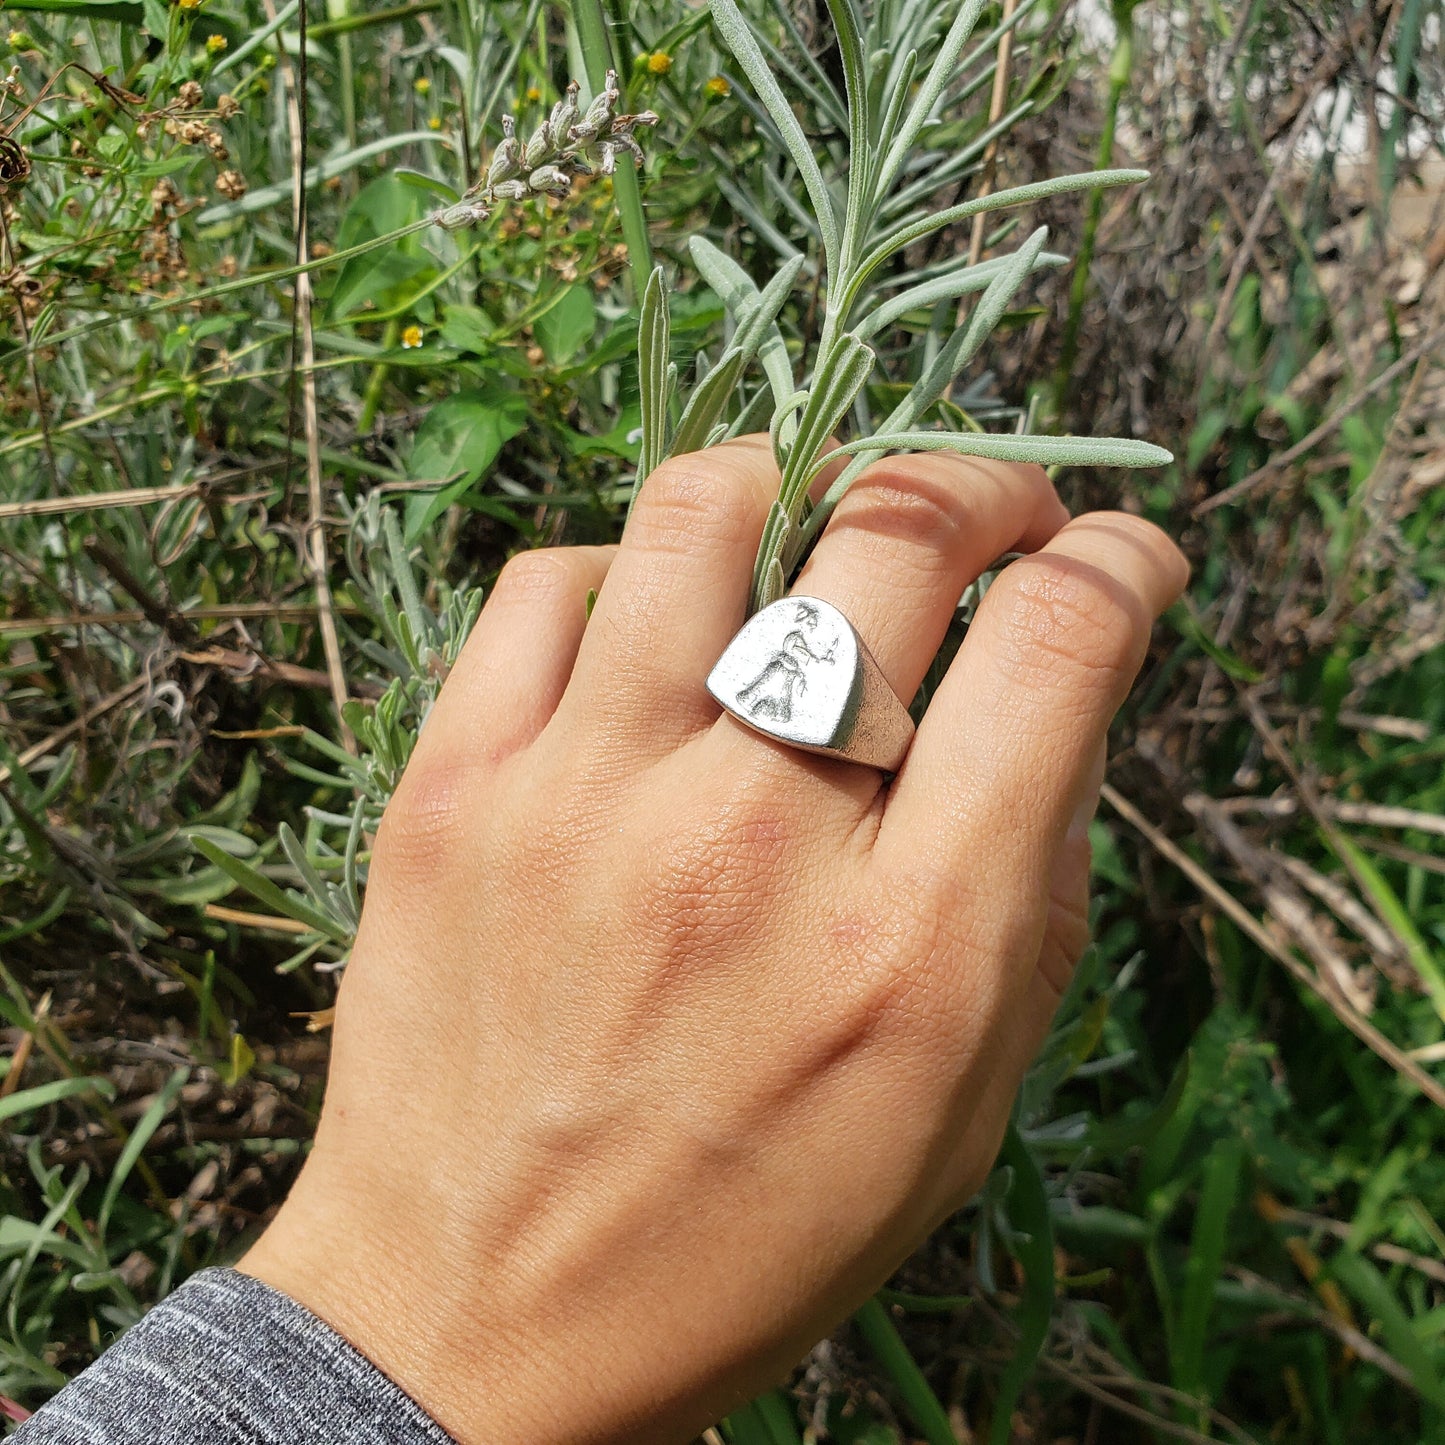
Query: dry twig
[[1244, 920]]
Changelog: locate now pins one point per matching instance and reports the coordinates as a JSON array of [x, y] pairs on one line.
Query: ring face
[[798, 672]]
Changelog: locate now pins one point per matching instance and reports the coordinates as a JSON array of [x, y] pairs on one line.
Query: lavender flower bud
[[507, 158], [549, 180], [564, 113], [540, 148]]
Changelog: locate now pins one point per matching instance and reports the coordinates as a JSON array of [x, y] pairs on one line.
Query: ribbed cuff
[[226, 1360]]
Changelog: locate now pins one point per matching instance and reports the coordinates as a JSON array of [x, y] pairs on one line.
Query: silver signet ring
[[798, 672]]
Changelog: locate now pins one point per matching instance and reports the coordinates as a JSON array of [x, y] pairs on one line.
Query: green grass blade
[[140, 1136], [1047, 451], [261, 887], [922, 1405], [948, 287], [1028, 1213], [764, 1421], [43, 1095], [1369, 1288], [316, 175], [1026, 195], [258, 37], [940, 73], [777, 1418], [1207, 1245], [1396, 916], [705, 405], [1115, 1136], [736, 291]]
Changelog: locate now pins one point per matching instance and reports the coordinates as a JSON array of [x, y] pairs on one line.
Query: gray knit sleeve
[[226, 1360]]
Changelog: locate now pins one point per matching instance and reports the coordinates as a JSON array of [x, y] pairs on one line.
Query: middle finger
[[909, 535]]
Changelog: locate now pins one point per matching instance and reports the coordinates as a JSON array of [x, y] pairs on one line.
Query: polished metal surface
[[799, 672]]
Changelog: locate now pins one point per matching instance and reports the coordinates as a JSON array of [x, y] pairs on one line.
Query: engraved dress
[[772, 691]]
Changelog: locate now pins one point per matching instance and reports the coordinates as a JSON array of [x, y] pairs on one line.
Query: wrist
[[495, 1354]]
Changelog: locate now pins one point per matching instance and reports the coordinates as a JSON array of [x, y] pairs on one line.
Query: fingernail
[[1084, 815], [1088, 803]]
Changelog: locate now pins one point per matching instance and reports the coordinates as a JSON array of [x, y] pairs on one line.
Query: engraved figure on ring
[[773, 691]]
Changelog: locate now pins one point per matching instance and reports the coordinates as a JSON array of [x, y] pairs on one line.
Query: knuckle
[[1049, 613], [535, 576], [684, 505], [915, 511], [892, 957], [424, 825]]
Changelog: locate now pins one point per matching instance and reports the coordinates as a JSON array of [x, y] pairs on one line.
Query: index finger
[[1004, 753]]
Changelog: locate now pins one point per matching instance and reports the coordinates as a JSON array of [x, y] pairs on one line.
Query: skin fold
[[663, 1044]]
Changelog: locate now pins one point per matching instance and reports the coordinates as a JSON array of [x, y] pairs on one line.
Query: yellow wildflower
[[533, 94], [18, 40], [434, 122], [215, 43], [659, 62], [717, 88], [411, 337], [189, 4], [421, 85]]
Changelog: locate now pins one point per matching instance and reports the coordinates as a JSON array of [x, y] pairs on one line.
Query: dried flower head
[[567, 144], [462, 216], [190, 95], [231, 184], [226, 106], [14, 163]]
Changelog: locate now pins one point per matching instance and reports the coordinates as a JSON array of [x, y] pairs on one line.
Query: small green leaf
[[738, 293], [1047, 451], [243, 1056], [466, 328], [567, 325], [262, 888], [654, 375], [384, 205], [456, 445]]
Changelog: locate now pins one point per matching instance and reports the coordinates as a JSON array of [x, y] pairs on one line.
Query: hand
[[663, 1044]]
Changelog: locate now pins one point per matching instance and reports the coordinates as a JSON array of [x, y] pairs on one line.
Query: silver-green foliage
[[903, 72], [327, 867]]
